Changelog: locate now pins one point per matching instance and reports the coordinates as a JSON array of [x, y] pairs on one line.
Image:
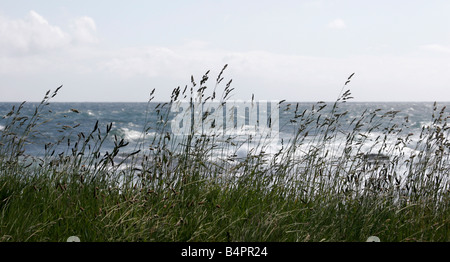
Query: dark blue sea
[[60, 125]]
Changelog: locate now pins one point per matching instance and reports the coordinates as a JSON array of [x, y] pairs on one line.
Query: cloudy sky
[[300, 50]]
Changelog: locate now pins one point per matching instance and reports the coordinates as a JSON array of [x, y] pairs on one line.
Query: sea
[[60, 124]]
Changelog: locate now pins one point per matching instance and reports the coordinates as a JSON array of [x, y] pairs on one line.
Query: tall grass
[[169, 188]]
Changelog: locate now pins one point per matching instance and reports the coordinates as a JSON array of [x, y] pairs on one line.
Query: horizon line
[[284, 101]]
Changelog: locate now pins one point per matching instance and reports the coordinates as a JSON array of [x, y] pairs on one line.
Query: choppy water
[[130, 121]]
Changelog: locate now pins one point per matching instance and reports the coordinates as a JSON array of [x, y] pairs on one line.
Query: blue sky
[[293, 50]]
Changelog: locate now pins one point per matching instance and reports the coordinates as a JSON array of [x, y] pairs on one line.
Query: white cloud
[[84, 30], [30, 35], [437, 48], [34, 34], [176, 62], [337, 24]]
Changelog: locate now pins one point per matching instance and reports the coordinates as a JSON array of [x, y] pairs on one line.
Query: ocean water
[[139, 124]]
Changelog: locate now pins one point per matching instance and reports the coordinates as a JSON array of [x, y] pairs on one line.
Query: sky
[[300, 50]]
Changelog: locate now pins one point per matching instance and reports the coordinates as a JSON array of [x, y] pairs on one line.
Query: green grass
[[180, 195]]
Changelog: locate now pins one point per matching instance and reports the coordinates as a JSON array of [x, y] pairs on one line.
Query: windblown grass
[[173, 191]]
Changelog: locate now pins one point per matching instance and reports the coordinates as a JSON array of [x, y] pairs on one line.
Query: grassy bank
[[304, 192]]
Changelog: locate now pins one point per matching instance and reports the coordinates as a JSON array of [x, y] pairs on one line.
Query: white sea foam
[[90, 113], [130, 134]]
